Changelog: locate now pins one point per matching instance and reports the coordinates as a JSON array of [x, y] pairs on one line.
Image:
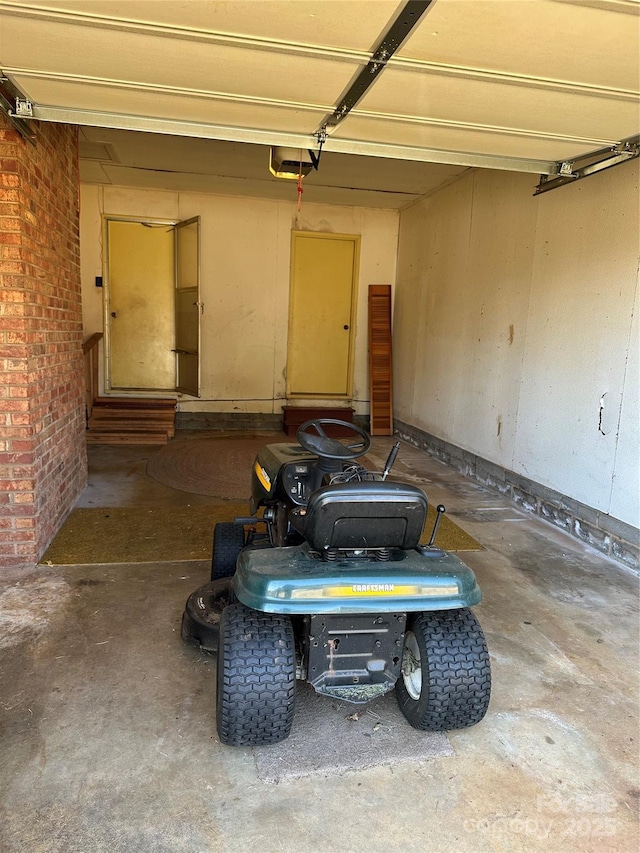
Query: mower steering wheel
[[331, 448]]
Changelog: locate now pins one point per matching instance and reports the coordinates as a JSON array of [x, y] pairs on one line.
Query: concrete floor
[[108, 735]]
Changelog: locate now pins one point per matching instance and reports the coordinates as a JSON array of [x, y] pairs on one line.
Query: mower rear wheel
[[446, 674], [228, 541], [256, 677]]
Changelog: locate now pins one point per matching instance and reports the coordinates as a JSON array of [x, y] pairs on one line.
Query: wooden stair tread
[[129, 420], [127, 437], [136, 414], [135, 403], [131, 426], [126, 428]]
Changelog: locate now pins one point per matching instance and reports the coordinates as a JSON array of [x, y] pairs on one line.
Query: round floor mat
[[220, 467]]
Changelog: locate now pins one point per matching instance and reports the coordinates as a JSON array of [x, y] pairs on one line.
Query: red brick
[[14, 432], [16, 485], [15, 458], [15, 535], [12, 267], [15, 405], [20, 420], [14, 238], [13, 295], [16, 511]]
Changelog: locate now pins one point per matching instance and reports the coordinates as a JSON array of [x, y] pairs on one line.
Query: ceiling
[[190, 94]]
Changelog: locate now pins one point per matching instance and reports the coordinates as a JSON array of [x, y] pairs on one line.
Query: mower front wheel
[[228, 541], [256, 677], [445, 681]]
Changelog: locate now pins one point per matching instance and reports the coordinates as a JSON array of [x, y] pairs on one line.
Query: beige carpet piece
[[330, 737], [170, 533], [139, 534]]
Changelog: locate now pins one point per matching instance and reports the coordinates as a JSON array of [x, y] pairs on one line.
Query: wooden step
[[135, 403], [132, 420], [130, 425], [123, 415], [122, 436], [129, 420]]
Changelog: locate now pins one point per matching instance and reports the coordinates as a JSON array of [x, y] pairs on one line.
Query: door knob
[[346, 328], [114, 313]]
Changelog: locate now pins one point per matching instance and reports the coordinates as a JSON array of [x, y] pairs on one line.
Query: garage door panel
[[482, 102], [546, 38], [456, 139], [165, 106], [339, 23], [114, 55]]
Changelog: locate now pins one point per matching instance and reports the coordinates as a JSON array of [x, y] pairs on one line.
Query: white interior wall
[[516, 333], [245, 260]]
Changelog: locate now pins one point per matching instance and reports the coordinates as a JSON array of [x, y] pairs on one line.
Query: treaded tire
[[256, 677], [228, 541], [446, 682]]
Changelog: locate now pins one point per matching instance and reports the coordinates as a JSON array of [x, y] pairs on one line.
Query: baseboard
[[612, 537], [252, 421]]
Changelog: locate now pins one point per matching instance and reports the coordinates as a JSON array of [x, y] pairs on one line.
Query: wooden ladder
[[380, 360]]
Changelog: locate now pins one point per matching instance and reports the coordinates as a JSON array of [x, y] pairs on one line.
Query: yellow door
[[140, 306], [321, 315]]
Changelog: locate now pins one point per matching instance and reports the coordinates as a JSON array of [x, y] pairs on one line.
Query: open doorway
[[152, 306]]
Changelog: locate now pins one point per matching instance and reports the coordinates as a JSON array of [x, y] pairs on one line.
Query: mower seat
[[369, 515]]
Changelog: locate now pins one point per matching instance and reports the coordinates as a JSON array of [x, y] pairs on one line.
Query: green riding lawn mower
[[331, 585]]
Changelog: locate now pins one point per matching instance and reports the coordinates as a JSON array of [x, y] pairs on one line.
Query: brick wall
[[42, 443]]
